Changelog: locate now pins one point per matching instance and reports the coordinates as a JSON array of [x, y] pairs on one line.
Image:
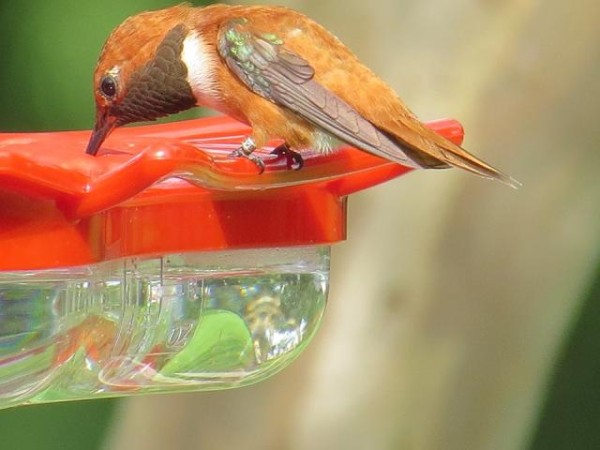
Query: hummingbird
[[273, 68]]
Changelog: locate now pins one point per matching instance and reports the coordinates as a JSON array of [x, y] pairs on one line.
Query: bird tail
[[437, 152], [455, 156]]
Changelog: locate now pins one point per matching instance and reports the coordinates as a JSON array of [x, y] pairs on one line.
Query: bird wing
[[269, 69]]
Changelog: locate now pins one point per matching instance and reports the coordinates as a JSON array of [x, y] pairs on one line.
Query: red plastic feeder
[[163, 264]]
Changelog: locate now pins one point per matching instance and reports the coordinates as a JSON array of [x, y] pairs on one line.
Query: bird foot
[[246, 151], [291, 157]]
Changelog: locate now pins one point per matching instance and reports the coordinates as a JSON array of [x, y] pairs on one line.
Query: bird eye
[[108, 86]]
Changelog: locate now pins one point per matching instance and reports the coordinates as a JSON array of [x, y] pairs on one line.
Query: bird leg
[[291, 157], [245, 150]]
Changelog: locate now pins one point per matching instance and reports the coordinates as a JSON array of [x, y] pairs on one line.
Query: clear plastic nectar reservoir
[[177, 322]]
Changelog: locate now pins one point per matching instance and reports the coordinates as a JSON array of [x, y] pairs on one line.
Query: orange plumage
[[280, 72]]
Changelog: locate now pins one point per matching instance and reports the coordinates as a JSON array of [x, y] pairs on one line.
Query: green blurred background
[[523, 77]]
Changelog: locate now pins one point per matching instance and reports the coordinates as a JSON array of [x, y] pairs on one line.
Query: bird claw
[[291, 157], [239, 153], [246, 151]]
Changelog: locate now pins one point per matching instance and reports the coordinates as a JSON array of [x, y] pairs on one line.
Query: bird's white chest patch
[[201, 65]]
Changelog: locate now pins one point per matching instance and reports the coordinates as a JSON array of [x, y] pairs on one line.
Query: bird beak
[[104, 125]]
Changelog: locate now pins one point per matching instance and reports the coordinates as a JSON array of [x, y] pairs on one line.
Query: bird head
[[140, 75]]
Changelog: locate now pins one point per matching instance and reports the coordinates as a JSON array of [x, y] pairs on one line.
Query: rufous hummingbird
[[270, 67]]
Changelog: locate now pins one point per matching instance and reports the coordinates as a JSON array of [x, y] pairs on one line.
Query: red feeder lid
[[170, 188]]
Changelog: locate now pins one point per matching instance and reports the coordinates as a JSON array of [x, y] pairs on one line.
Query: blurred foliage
[[64, 426], [569, 418], [49, 51]]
